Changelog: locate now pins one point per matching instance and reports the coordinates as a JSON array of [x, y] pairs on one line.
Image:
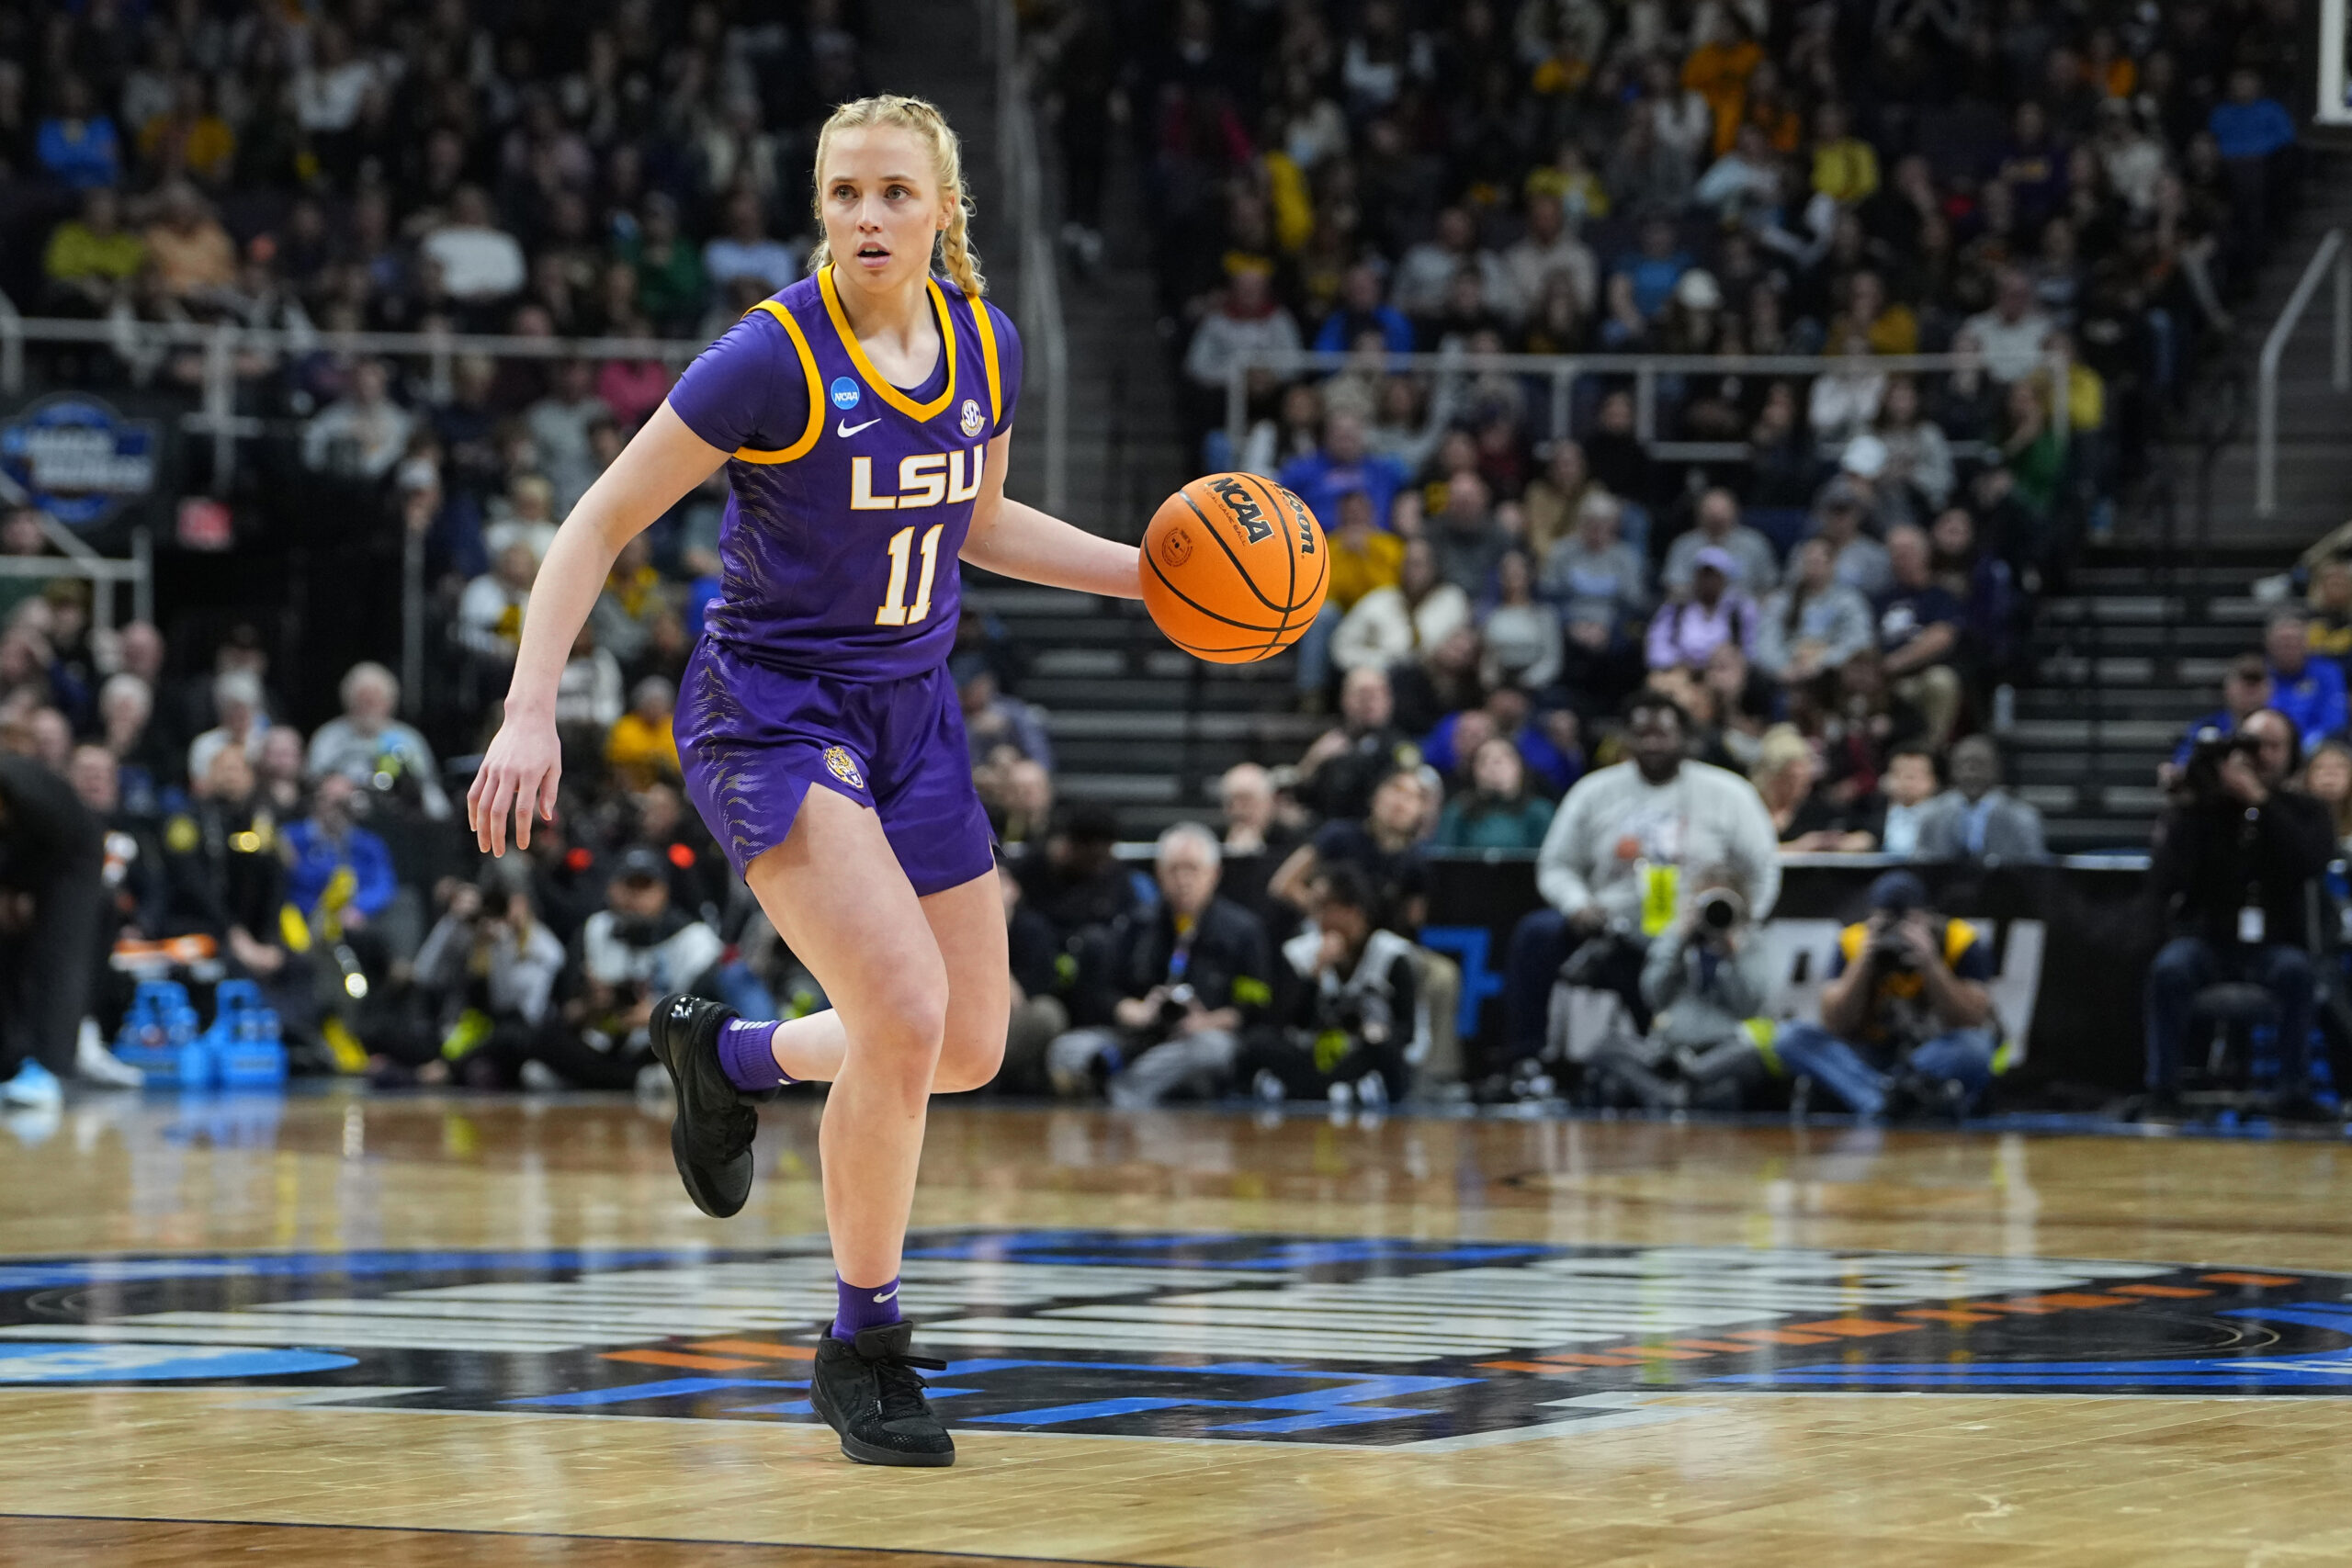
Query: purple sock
[[863, 1307], [746, 1056]]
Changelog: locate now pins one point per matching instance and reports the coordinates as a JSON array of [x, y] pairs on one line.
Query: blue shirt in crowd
[[80, 154], [315, 859], [2251, 131], [2312, 701], [1320, 482]]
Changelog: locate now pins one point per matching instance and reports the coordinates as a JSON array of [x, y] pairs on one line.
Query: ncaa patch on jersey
[[844, 392], [842, 766], [973, 418]]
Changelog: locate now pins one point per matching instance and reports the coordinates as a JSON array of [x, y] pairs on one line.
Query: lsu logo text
[[925, 478], [1244, 507]]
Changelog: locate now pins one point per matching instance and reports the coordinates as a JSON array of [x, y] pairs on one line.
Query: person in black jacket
[[53, 889], [1182, 983], [2233, 864], [1346, 1023]]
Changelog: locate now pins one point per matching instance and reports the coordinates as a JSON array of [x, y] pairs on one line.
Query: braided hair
[[957, 257]]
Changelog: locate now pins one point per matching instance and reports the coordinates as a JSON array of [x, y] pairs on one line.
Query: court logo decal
[[842, 766], [844, 392], [1415, 1346], [972, 417]]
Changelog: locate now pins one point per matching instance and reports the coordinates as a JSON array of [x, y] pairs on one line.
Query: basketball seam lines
[[1203, 609], [1242, 571], [1274, 506]]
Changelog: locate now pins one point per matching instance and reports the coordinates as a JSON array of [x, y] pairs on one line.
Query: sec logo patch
[[973, 418], [842, 766], [844, 392], [1177, 548]]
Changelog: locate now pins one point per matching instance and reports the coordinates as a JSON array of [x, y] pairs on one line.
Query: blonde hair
[[955, 254], [1782, 746]]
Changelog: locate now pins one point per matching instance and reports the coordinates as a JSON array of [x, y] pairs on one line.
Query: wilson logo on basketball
[[1176, 548], [1244, 507]]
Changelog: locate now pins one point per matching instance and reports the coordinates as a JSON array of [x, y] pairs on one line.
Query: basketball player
[[864, 414]]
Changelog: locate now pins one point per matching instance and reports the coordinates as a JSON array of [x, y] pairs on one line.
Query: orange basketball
[[1233, 568]]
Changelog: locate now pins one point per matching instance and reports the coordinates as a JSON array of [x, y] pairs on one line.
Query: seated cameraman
[[1906, 1023], [487, 975], [1345, 1016], [1613, 861], [628, 953], [1186, 977], [1704, 980], [2233, 861]]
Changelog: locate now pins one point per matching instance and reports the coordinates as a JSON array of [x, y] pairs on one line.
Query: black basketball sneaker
[[867, 1390], [711, 1135]]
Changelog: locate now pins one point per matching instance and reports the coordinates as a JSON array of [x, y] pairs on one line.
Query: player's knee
[[900, 1035], [971, 1055]]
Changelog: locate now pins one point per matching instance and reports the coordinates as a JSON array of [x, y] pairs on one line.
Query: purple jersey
[[851, 497]]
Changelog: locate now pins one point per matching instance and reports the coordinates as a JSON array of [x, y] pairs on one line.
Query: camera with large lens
[[1175, 1005], [2207, 752], [1717, 910]]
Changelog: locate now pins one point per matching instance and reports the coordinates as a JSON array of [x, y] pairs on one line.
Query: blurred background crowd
[[2067, 199]]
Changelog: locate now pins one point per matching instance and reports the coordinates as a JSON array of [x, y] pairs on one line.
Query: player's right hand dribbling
[[519, 773]]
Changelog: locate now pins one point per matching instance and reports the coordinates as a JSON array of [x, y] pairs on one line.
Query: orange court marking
[[1858, 1327], [759, 1347], [2252, 1278]]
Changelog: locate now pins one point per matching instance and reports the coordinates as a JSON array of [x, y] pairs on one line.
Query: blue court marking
[[36, 1276], [1318, 1408], [82, 1361], [802, 1407]]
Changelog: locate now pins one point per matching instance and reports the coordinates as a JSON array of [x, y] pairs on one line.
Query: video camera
[[2207, 752]]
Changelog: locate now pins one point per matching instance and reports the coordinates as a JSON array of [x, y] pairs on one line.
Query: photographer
[[628, 953], [1187, 977], [1906, 1023], [486, 974], [2233, 864], [1704, 980], [1613, 864], [1345, 1022]]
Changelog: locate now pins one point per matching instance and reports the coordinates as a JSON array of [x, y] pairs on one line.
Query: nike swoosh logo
[[846, 428], [893, 1289]]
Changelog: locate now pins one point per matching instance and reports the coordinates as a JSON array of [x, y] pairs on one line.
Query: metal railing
[[1561, 372], [2331, 253], [225, 344], [74, 557], [1041, 291]]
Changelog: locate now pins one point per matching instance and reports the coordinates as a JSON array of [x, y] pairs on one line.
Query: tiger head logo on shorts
[[842, 766]]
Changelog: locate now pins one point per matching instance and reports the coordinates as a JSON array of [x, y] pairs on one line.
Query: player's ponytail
[[955, 254]]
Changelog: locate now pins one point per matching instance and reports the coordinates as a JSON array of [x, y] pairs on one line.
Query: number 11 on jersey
[[895, 610]]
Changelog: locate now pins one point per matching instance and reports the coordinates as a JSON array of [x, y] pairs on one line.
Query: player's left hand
[[518, 773]]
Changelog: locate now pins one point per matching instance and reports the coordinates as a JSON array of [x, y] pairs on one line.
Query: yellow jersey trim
[[987, 328], [799, 449], [874, 379]]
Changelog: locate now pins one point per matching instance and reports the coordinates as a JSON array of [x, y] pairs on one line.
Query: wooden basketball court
[[493, 1331]]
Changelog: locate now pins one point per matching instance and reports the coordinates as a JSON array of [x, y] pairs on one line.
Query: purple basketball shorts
[[752, 739]]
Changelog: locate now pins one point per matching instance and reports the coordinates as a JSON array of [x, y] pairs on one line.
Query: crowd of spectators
[[1849, 550]]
